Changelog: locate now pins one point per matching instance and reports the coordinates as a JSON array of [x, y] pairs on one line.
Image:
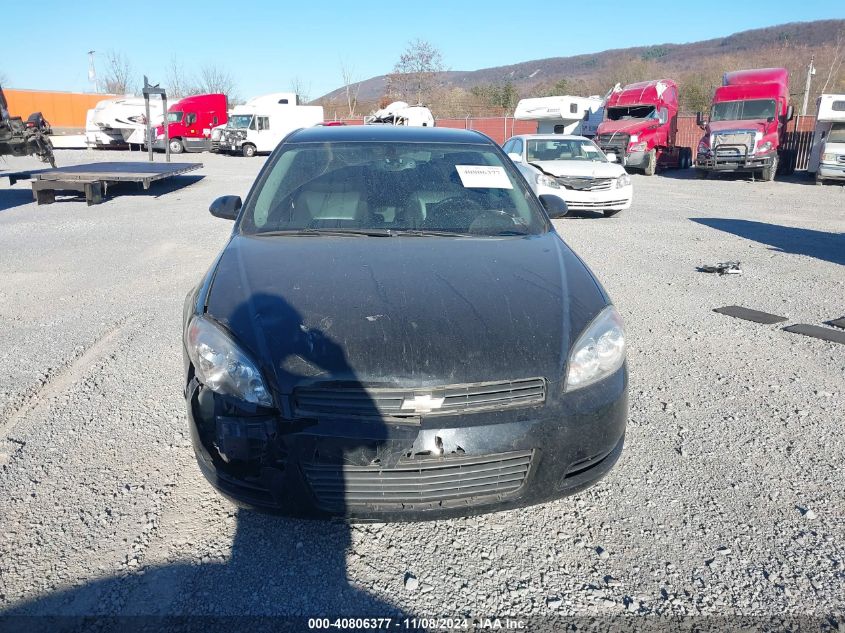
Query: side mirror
[[699, 120], [517, 158], [789, 113], [611, 157], [226, 207], [555, 207]]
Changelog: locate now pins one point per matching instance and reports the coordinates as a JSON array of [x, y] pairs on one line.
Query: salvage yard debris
[[816, 331], [723, 268], [750, 315]]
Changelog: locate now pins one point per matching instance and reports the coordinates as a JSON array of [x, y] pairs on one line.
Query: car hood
[[626, 126], [580, 168], [755, 125], [405, 311]]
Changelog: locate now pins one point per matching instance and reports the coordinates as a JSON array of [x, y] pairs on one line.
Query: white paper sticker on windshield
[[484, 176]]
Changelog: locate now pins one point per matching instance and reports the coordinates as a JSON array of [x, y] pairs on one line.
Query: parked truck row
[[744, 131]]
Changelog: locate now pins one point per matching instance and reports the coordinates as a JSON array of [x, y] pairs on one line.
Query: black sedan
[[395, 331]]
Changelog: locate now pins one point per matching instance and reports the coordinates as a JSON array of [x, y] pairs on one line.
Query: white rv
[[400, 113], [122, 121], [827, 154], [562, 115], [260, 124]]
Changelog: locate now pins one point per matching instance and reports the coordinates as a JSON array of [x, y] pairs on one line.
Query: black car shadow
[[280, 571], [11, 198], [786, 239]]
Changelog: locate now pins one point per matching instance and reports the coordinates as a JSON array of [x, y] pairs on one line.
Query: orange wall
[[61, 109]]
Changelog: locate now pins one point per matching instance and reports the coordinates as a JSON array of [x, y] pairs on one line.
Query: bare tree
[[351, 86], [215, 79], [4, 78], [179, 83], [836, 62], [416, 73], [302, 89], [117, 76]]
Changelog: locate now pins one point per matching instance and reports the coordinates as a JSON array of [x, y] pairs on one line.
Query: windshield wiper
[[426, 233], [313, 231]]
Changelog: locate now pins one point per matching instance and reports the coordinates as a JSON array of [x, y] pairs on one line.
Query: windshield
[[837, 133], [240, 121], [632, 112], [174, 117], [564, 149], [391, 188], [743, 110]]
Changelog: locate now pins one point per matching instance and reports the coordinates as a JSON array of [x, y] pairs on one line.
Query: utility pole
[[811, 70]]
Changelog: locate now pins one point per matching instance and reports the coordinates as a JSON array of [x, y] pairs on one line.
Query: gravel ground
[[729, 499]]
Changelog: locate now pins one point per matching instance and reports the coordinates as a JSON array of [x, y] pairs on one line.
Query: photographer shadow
[[280, 571]]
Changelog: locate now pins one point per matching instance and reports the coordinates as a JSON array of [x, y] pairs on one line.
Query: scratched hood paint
[[404, 310]]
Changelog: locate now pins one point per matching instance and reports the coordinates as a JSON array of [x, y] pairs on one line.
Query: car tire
[[688, 158], [248, 150], [768, 173], [651, 166], [609, 213], [176, 146]]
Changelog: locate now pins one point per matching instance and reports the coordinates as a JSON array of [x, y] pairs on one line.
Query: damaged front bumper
[[735, 162], [426, 468], [615, 199]]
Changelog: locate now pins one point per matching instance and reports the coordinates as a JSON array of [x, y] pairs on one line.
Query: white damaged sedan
[[572, 168]]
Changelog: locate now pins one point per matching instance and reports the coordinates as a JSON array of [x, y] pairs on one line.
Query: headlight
[[764, 147], [638, 147], [703, 147], [828, 158], [634, 138], [623, 181], [159, 137], [222, 366], [547, 181], [598, 352]]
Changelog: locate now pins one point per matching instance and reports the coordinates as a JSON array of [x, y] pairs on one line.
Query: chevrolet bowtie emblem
[[422, 403]]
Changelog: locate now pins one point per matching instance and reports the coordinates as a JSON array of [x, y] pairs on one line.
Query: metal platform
[[93, 179]]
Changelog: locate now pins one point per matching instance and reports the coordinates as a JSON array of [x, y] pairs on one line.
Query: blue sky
[[265, 45]]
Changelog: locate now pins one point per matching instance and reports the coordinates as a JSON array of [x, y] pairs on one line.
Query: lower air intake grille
[[359, 400], [441, 481]]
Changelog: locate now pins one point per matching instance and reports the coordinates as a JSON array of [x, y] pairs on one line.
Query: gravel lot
[[729, 499]]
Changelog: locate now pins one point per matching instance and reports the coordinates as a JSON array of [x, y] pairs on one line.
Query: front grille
[[586, 184], [607, 204], [616, 143], [732, 144], [840, 158], [440, 481], [359, 400]]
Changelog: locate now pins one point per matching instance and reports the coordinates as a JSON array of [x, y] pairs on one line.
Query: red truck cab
[[747, 125], [640, 126], [190, 121]]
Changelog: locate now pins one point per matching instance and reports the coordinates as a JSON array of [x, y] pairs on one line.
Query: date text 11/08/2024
[[417, 624]]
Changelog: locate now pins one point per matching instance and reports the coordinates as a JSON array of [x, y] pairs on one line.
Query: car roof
[[551, 137], [386, 134]]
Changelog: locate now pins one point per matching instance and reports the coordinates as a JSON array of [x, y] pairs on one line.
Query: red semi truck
[[190, 121], [641, 127], [747, 124]]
